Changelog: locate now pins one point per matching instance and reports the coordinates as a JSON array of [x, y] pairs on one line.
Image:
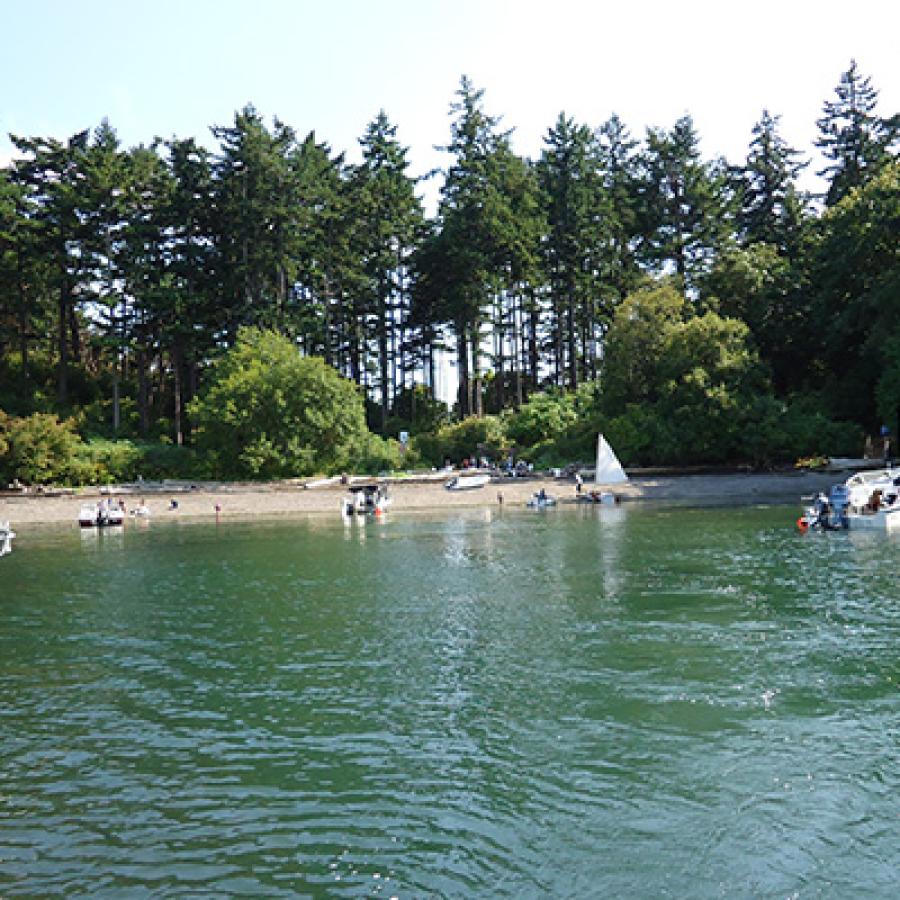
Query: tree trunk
[[476, 393], [384, 356], [177, 371], [571, 339], [143, 393], [465, 392], [62, 374]]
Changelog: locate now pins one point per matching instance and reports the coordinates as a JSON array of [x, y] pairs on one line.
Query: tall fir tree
[[772, 208], [683, 207], [855, 141], [568, 175], [389, 215]]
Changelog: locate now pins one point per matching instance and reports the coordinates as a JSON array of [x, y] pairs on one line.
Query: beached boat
[[6, 537], [465, 482], [100, 515], [608, 469], [365, 499]]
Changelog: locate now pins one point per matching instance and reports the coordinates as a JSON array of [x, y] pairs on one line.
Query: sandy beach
[[246, 500]]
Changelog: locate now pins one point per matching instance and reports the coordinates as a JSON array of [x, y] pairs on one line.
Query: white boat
[[541, 500], [884, 519], [865, 501], [467, 482], [6, 537], [608, 469], [100, 515], [862, 485], [607, 498], [365, 499]]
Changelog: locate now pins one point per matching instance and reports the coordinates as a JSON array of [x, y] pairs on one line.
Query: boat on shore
[[6, 537], [541, 500], [465, 482]]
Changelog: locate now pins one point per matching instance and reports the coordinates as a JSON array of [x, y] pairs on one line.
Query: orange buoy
[[802, 524]]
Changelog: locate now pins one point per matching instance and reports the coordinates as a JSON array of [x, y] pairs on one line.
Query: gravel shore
[[249, 500]]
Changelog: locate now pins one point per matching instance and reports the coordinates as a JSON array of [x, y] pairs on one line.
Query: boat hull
[[468, 482], [89, 518], [883, 520]]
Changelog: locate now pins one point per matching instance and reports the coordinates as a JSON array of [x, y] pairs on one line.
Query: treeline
[[124, 273]]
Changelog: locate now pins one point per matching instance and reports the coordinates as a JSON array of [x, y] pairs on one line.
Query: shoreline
[[247, 501]]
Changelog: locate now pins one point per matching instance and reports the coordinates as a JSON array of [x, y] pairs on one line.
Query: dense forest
[[698, 310]]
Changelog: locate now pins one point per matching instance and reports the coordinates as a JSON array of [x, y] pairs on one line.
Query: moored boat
[[100, 515], [884, 519], [865, 501], [6, 537], [365, 499]]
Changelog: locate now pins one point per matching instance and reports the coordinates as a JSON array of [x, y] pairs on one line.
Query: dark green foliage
[[684, 206], [125, 274], [543, 418], [469, 439], [772, 209], [268, 412], [416, 411], [855, 140], [856, 269], [38, 449]]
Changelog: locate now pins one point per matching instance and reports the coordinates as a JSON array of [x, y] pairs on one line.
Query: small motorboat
[[465, 482], [607, 498], [541, 500], [100, 515], [866, 501], [365, 499], [6, 537]]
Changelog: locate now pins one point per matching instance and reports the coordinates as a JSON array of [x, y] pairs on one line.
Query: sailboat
[[607, 471]]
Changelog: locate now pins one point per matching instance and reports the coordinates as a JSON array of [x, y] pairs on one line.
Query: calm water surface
[[575, 703]]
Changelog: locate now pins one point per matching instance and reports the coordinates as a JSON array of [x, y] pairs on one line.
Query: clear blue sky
[[162, 67]]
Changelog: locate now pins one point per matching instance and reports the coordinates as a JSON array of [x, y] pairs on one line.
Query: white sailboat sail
[[609, 470]]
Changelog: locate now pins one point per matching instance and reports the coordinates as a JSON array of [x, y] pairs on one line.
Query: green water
[[623, 702]]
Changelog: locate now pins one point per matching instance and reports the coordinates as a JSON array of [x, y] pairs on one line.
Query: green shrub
[[37, 449], [543, 418], [376, 454], [463, 440], [268, 412]]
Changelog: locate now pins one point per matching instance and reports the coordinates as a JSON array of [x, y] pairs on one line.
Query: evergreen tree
[[682, 202], [329, 279], [620, 274], [184, 311], [567, 173], [771, 207], [51, 174], [852, 137], [471, 203], [389, 216], [255, 223], [24, 312], [102, 212]]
